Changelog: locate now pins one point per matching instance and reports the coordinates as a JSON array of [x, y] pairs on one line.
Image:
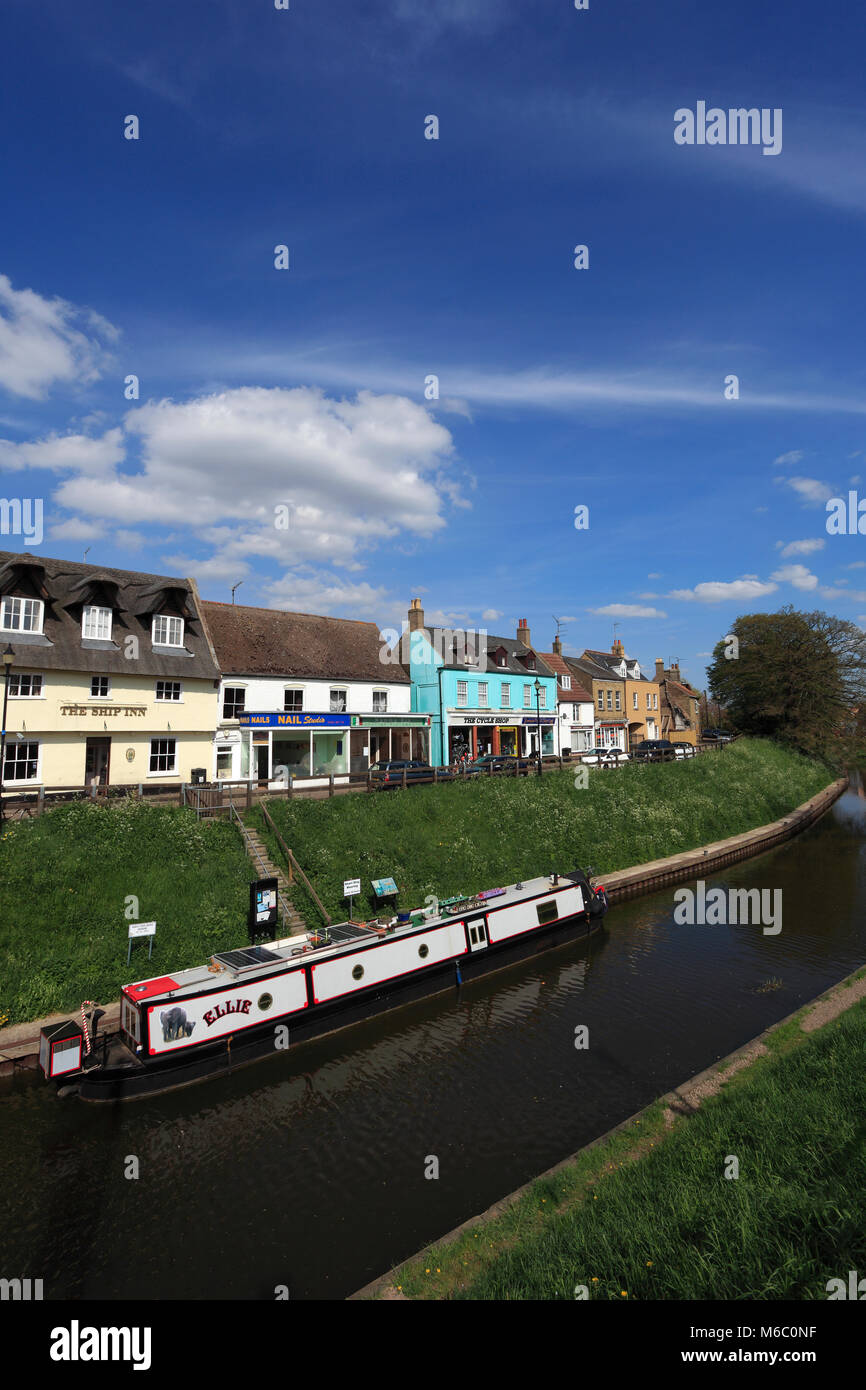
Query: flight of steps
[[264, 866]]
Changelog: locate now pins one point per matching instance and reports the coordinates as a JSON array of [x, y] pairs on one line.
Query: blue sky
[[409, 257]]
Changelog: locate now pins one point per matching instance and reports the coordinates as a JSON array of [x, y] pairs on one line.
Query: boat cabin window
[[547, 912], [476, 933], [130, 1021]]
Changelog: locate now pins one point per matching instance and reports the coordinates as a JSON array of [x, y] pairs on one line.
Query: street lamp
[[538, 688], [8, 658]]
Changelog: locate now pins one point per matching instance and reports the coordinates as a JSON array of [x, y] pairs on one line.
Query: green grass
[[462, 838], [64, 883], [653, 1217]]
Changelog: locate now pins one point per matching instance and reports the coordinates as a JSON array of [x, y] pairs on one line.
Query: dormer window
[[566, 682], [530, 662], [167, 631], [21, 615], [96, 622]]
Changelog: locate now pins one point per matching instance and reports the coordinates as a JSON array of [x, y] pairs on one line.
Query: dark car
[[501, 762], [389, 772], [651, 750], [717, 735]]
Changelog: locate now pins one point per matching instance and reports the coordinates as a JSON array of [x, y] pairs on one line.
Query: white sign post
[[138, 929], [351, 886]]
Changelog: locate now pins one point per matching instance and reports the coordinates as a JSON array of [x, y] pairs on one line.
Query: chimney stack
[[660, 669], [416, 616], [675, 669], [617, 649], [523, 633], [557, 645]]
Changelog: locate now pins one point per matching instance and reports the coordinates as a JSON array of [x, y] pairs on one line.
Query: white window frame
[[16, 745], [505, 695], [527, 697], [226, 689], [166, 772], [566, 682], [293, 690], [382, 696], [610, 698], [32, 607], [462, 694], [100, 677], [542, 697], [169, 699], [338, 690], [634, 699], [31, 676], [617, 694], [170, 620], [482, 695], [102, 616]]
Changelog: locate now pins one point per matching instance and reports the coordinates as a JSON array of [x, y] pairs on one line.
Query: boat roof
[[258, 962]]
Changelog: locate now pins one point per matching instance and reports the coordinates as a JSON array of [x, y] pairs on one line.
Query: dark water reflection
[[308, 1170]]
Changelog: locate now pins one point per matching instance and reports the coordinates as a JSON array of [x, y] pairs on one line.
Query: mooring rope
[[88, 1003]]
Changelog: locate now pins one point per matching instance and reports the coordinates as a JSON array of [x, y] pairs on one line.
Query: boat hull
[[153, 1076]]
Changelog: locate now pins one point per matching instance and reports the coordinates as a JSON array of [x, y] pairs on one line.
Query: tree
[[796, 677]]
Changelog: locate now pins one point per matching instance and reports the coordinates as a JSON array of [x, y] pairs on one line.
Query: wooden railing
[[293, 865]]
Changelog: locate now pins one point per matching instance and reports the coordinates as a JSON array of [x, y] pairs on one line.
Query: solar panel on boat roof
[[246, 958]]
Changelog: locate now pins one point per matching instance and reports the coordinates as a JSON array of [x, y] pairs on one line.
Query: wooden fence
[[215, 798]]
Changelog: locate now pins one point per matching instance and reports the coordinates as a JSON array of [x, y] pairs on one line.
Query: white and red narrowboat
[[257, 1000]]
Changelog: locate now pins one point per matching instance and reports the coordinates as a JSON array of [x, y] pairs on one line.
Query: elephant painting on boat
[[175, 1024]]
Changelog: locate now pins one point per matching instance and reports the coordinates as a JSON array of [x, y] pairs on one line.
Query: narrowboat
[[259, 1000]]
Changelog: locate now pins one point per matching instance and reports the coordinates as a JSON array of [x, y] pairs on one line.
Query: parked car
[[717, 735], [604, 757], [651, 750], [389, 773], [501, 762]]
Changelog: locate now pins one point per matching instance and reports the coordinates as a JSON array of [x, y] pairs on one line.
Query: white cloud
[[351, 473], [828, 591], [649, 596], [811, 490], [76, 529], [130, 540], [627, 610], [793, 456], [857, 565], [491, 615], [798, 575], [717, 591], [653, 575], [81, 453], [799, 547], [46, 342]]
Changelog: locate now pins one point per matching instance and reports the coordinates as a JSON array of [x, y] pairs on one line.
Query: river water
[[308, 1170]]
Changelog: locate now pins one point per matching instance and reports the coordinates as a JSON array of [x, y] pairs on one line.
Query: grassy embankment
[[462, 838], [64, 883], [649, 1214], [65, 877]]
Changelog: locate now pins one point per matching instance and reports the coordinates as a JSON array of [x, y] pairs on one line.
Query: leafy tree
[[796, 677]]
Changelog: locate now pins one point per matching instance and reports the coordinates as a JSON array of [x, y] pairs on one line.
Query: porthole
[[358, 972], [265, 1001], [423, 951]]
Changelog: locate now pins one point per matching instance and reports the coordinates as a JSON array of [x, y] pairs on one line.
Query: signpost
[[263, 906], [139, 929], [351, 886]]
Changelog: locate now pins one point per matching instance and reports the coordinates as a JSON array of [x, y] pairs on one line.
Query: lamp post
[[538, 719], [8, 658]]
